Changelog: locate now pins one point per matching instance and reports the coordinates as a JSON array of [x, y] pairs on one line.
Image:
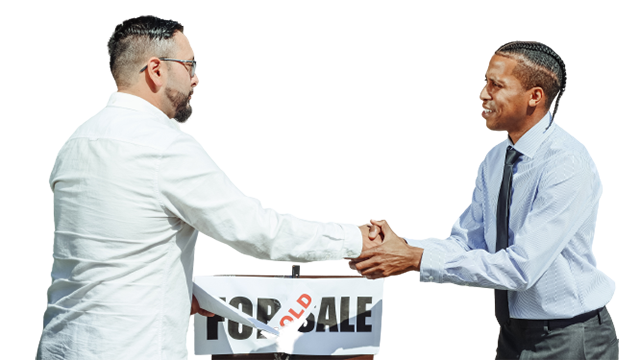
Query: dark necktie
[[502, 227]]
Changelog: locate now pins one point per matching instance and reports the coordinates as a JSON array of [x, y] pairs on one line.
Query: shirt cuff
[[432, 263], [352, 246]]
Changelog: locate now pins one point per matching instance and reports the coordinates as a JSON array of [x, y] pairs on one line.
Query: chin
[[490, 125], [494, 121]]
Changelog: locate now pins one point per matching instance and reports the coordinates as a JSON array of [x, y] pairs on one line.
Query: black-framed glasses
[[184, 62]]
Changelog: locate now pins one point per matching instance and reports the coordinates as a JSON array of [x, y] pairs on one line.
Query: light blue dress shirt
[[549, 267]]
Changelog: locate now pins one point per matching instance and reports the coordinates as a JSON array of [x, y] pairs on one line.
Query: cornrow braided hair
[[538, 65]]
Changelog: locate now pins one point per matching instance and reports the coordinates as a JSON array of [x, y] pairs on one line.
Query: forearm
[[193, 188]]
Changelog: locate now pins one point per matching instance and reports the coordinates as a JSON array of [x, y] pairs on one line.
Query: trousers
[[594, 339]]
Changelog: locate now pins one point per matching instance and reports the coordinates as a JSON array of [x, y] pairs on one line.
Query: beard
[[180, 102]]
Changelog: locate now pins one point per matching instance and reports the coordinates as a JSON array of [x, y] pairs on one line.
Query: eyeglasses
[[184, 62]]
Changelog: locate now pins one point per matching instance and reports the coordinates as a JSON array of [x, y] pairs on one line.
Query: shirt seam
[[79, 137], [164, 283]]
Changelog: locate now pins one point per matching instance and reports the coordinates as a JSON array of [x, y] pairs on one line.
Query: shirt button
[[430, 277]]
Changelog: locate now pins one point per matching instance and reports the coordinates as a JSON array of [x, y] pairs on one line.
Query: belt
[[557, 323]]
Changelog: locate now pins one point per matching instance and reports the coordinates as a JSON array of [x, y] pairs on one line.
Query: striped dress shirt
[[549, 267]]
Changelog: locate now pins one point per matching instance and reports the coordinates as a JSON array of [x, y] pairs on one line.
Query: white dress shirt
[[131, 191], [549, 267]]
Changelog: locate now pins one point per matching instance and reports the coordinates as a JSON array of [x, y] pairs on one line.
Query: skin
[[512, 109], [195, 308], [156, 84], [393, 257], [162, 80], [371, 237]]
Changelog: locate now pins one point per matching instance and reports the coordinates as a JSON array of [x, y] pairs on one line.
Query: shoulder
[[563, 157], [561, 149], [130, 126]]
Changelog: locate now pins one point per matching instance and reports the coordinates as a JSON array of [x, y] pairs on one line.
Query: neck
[[154, 98], [530, 120]]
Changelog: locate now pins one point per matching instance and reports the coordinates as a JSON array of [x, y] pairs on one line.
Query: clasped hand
[[384, 253]]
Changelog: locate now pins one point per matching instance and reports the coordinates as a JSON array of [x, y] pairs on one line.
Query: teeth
[[487, 111]]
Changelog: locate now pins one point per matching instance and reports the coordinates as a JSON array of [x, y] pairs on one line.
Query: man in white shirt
[[131, 191]]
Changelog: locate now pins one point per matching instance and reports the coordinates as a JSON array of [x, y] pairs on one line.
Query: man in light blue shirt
[[540, 189]]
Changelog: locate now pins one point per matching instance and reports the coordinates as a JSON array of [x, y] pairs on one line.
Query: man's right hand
[[371, 236], [393, 257]]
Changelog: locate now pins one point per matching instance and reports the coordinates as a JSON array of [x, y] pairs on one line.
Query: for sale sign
[[325, 316]]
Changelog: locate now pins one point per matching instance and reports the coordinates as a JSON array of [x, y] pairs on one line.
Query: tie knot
[[512, 156]]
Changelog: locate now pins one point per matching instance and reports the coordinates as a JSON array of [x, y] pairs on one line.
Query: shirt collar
[[533, 138], [133, 102]]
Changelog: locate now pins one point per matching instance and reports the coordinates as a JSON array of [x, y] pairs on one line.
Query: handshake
[[384, 253]]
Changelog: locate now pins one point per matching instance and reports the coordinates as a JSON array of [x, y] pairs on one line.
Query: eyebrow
[[495, 80]]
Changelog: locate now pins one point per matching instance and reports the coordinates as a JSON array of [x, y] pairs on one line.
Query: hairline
[[523, 63], [168, 45]]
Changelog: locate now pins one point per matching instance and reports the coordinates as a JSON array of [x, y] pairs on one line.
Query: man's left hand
[[371, 236], [393, 257], [195, 308]]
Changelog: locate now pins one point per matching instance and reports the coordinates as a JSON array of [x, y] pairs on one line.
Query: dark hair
[[538, 65], [136, 40]]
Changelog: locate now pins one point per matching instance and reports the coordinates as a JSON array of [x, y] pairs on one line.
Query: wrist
[[416, 257]]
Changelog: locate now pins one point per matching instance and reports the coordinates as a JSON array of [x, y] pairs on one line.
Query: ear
[[155, 74], [536, 96]]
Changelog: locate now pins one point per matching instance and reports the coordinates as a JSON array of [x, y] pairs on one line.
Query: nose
[[194, 81], [484, 94]]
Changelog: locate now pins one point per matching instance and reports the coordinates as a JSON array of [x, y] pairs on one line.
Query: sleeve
[[566, 196], [192, 187], [467, 235]]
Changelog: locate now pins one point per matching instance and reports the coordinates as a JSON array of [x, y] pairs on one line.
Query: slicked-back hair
[[135, 41], [538, 66]]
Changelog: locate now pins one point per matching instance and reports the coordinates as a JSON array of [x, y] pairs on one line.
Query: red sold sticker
[[304, 300], [295, 309]]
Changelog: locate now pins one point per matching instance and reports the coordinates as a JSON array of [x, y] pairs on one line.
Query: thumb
[[374, 231], [384, 226]]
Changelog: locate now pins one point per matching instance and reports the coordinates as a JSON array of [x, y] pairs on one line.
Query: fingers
[[374, 231], [374, 275], [384, 226], [367, 253], [363, 265], [373, 272], [196, 309], [206, 313], [385, 230]]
